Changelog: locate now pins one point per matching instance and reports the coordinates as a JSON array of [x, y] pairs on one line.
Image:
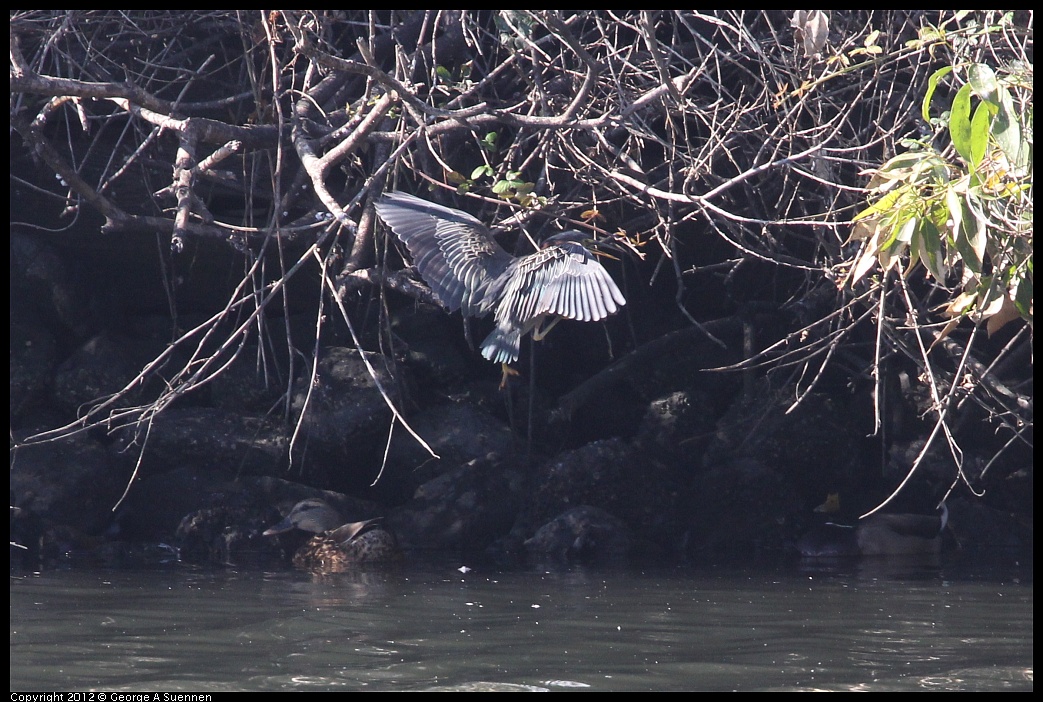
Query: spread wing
[[562, 279], [455, 254]]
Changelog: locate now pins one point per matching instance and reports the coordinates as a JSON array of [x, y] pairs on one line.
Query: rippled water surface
[[434, 627]]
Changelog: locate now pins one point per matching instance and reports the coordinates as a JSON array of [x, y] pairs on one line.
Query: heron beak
[[617, 244]]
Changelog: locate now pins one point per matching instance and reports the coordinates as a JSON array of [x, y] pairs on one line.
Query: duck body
[[829, 540], [336, 546], [875, 535], [901, 534]]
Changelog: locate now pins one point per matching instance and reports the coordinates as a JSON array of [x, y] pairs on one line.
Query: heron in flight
[[467, 270]]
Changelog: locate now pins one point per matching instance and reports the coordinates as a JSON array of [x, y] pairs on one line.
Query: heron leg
[[507, 373], [538, 334]]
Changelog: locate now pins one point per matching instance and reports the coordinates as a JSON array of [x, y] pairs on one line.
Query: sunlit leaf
[[907, 230], [960, 122], [866, 261], [1023, 294], [1007, 130], [863, 230], [1006, 313], [965, 232], [980, 133], [976, 231], [909, 159], [489, 142], [946, 330], [931, 252], [915, 250], [983, 80], [884, 204], [887, 259], [816, 32], [961, 304], [932, 85]]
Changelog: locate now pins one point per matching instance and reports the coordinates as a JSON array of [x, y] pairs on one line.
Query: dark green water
[[434, 627]]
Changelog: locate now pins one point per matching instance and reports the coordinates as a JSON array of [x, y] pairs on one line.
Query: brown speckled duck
[[336, 546]]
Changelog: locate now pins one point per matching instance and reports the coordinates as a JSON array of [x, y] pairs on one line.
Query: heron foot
[[507, 373]]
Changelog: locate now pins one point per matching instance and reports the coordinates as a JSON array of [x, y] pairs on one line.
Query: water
[[433, 627]]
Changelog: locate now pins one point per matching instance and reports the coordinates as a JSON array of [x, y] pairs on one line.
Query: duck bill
[[280, 528]]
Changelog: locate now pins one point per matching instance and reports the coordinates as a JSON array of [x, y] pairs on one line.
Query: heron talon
[[507, 373]]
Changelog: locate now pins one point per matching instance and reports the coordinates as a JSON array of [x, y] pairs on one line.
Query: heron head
[[601, 246], [571, 235]]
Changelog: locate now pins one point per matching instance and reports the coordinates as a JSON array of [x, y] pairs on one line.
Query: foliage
[[974, 213]]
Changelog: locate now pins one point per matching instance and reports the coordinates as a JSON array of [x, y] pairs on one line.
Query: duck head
[[312, 515]]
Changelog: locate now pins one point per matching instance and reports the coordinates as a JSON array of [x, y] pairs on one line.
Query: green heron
[[467, 270]]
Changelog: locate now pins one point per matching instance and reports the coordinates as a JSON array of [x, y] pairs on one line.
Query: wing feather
[[455, 253]]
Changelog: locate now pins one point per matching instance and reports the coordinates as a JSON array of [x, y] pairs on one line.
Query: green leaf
[[980, 134], [884, 204], [907, 230], [867, 260], [932, 85], [983, 81], [931, 251], [963, 231], [1023, 295], [524, 188], [1007, 130], [933, 171], [481, 171], [863, 229], [960, 122], [887, 259], [976, 233]]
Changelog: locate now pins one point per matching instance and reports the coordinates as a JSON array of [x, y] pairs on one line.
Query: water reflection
[[435, 628]]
